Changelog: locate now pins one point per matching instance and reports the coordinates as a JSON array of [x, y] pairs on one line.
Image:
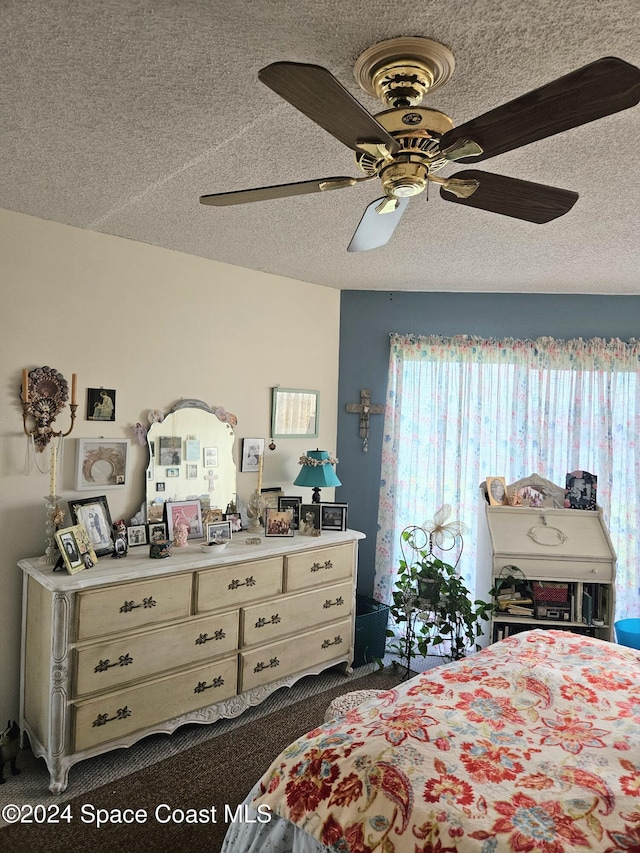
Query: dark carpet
[[215, 775]]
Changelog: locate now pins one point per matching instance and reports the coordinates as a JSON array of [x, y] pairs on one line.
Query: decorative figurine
[[9, 748], [181, 534], [120, 546]]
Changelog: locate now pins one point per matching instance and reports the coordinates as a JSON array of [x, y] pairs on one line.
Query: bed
[[531, 745]]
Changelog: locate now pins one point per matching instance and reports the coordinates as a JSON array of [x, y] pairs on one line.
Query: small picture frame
[[218, 531], [252, 452], [277, 522], [235, 520], [170, 447], [160, 487], [497, 491], [192, 470], [210, 457], [76, 548], [209, 515], [192, 450], [287, 502], [172, 472], [102, 463], [137, 535], [310, 524], [333, 516], [94, 514], [157, 531], [186, 512], [101, 404], [581, 490]]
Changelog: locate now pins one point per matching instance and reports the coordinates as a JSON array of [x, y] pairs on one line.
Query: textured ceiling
[[117, 115]]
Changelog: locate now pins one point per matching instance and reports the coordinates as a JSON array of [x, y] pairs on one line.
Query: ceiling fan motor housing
[[418, 131]]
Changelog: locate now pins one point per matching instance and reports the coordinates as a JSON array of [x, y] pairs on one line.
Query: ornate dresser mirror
[[191, 457]]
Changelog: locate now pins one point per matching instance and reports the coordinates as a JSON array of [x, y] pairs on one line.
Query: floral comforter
[[531, 745]]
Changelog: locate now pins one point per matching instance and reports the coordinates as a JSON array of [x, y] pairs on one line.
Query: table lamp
[[316, 472]]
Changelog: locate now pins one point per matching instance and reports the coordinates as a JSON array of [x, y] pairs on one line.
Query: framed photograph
[[235, 520], [170, 447], [286, 502], [192, 471], [310, 524], [210, 457], [157, 531], [159, 487], [75, 548], [277, 522], [102, 463], [184, 512], [209, 515], [172, 472], [497, 491], [333, 516], [581, 490], [94, 514], [137, 535], [252, 450], [218, 530], [101, 404], [192, 450]]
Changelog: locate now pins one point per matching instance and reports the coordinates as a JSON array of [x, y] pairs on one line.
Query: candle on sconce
[[25, 386], [259, 489], [52, 472], [74, 382]]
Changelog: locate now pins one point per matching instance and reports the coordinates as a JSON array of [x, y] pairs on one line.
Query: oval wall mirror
[[191, 457]]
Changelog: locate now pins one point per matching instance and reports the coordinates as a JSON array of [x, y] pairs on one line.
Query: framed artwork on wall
[[252, 450], [102, 463], [101, 404]]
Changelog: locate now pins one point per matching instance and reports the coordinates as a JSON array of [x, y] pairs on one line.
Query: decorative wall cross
[[364, 409]]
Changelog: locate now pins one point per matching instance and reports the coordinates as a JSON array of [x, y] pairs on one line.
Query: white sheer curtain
[[461, 409]]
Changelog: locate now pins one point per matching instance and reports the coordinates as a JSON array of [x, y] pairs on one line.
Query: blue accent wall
[[368, 317]]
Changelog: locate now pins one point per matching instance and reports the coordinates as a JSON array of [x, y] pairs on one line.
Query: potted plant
[[432, 608]]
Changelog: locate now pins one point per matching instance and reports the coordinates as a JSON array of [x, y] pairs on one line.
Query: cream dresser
[[137, 646]]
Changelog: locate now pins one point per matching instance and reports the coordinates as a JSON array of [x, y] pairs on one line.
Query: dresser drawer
[[323, 566], [118, 714], [128, 606], [276, 660], [267, 621], [102, 666], [232, 586], [594, 571]]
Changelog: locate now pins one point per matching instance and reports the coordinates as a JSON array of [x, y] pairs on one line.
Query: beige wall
[[155, 325]]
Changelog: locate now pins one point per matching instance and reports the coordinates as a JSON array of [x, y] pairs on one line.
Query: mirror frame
[[281, 397]]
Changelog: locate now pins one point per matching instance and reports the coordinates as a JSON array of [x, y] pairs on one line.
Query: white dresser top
[[137, 563]]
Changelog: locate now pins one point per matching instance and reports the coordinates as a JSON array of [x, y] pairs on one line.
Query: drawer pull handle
[[128, 606], [235, 583], [316, 567], [335, 642], [273, 621], [272, 663], [103, 719], [204, 638], [202, 685], [337, 603], [104, 665]]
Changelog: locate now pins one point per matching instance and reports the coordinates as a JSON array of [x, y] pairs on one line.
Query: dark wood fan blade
[[315, 92], [605, 86], [277, 191], [512, 197], [375, 229]]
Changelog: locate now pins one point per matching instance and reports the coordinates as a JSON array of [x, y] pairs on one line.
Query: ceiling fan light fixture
[[405, 178]]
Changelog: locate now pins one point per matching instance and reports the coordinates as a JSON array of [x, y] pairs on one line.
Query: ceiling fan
[[405, 145]]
